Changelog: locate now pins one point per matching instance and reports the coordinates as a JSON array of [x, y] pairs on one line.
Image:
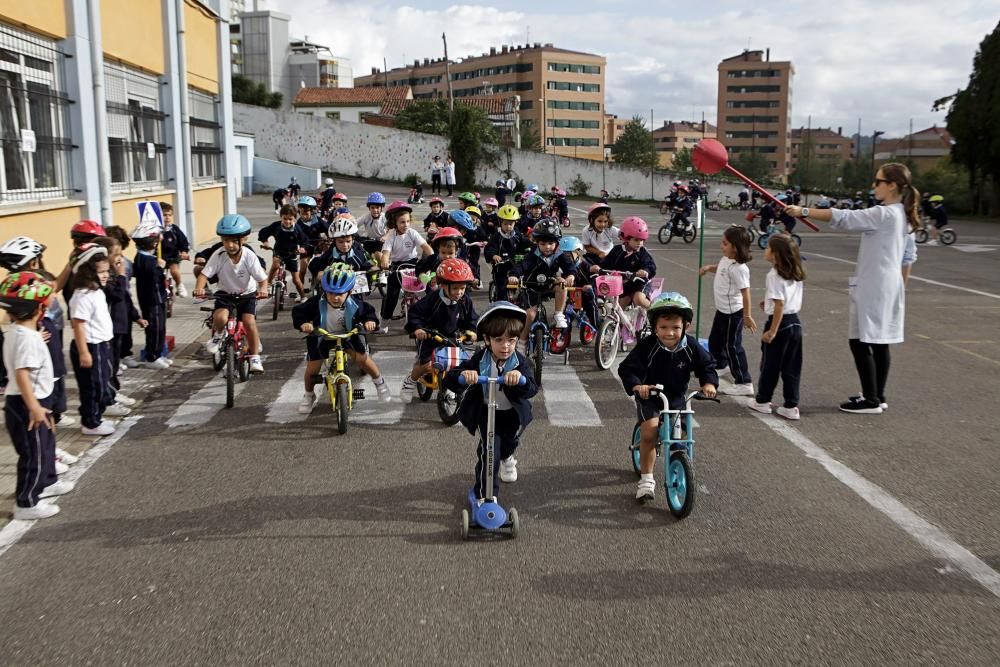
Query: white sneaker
[[559, 321], [256, 367], [182, 291], [160, 364], [61, 468], [39, 511], [407, 390], [104, 428], [764, 408], [59, 488], [212, 344], [308, 402], [384, 394], [130, 362], [66, 420], [646, 489], [726, 372], [117, 410], [66, 457], [931, 242], [737, 389], [121, 368], [508, 470], [124, 400], [788, 413]]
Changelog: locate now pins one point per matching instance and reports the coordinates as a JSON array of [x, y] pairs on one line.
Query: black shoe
[[861, 406]]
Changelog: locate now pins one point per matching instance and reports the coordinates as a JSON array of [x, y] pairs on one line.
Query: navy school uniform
[[435, 311], [152, 297], [509, 423], [123, 314], [173, 242], [581, 278], [314, 310], [53, 322], [356, 258], [535, 265], [475, 235], [441, 220], [618, 259], [286, 242], [649, 362]]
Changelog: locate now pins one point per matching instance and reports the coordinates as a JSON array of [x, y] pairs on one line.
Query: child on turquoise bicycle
[[448, 310], [334, 310], [666, 357], [544, 262], [499, 327]]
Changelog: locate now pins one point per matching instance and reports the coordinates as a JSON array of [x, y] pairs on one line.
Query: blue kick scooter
[[490, 517]]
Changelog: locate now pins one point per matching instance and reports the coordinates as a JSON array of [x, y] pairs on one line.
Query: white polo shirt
[[730, 278], [23, 347], [235, 277], [787, 291], [91, 306]]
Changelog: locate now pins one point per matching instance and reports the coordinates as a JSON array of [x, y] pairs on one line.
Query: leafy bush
[[579, 187]]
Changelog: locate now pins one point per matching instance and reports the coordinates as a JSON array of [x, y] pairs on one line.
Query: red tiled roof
[[493, 105], [343, 97], [817, 133]]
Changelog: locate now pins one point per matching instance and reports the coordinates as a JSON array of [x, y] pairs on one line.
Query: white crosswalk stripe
[[567, 402], [285, 408], [204, 404], [394, 365]]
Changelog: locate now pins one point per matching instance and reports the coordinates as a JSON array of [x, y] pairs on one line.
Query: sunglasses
[[881, 180]]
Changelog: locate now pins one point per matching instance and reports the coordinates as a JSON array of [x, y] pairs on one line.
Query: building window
[[751, 119], [206, 143], [575, 106], [574, 87], [754, 73], [760, 134], [752, 104], [333, 115], [579, 124], [32, 102], [136, 129], [527, 104], [571, 141], [753, 89], [576, 69]]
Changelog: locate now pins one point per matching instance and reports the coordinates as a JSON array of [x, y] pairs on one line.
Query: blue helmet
[[782, 197], [462, 219], [233, 224], [338, 279], [306, 200], [376, 198], [570, 244], [533, 187], [536, 200]]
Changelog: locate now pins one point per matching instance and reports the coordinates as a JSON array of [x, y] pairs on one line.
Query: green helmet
[[672, 303], [468, 197]]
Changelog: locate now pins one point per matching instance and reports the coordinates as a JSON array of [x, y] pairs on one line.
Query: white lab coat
[[449, 173], [876, 290]]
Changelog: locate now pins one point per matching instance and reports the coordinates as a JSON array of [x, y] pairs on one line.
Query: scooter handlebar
[[485, 379]]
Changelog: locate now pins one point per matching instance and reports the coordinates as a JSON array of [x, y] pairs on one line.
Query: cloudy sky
[[884, 61]]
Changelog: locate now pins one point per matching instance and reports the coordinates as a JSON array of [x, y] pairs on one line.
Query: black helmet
[[546, 229]]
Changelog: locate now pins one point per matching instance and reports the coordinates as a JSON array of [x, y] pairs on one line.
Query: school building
[[106, 103]]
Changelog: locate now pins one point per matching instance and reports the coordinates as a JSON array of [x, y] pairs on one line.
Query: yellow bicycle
[[338, 382]]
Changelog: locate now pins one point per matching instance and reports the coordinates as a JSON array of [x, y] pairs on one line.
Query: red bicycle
[[234, 347]]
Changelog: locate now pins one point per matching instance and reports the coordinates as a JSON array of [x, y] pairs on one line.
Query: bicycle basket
[[609, 285], [653, 288], [409, 280], [447, 358]]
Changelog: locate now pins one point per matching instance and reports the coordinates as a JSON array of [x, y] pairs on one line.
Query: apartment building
[[561, 92], [107, 103], [755, 106], [924, 149], [614, 128], [821, 144], [673, 136]]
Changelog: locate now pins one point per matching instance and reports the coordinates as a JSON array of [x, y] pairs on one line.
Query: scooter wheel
[[515, 523], [465, 524]]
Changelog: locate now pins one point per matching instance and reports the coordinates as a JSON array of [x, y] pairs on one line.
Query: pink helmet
[[559, 192], [491, 201], [597, 208], [634, 227]]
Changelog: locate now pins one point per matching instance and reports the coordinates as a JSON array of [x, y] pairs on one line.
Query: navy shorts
[[168, 261], [530, 297], [291, 263], [318, 349], [425, 350], [647, 409], [248, 307]]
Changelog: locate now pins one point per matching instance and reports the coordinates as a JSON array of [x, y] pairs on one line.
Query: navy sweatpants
[[507, 425], [156, 332], [781, 358], [94, 383], [36, 451], [725, 342]]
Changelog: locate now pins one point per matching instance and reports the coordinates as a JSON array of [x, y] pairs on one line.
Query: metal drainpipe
[[185, 119], [100, 110]]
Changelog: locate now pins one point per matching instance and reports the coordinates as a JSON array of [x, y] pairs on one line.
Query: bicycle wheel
[[587, 331], [947, 236], [492, 292], [634, 448], [276, 301], [539, 353], [343, 407], [762, 241], [664, 235], [690, 233], [515, 522], [606, 343], [921, 235], [798, 239], [243, 361], [680, 485], [448, 402], [752, 232], [284, 293], [423, 390], [230, 356]]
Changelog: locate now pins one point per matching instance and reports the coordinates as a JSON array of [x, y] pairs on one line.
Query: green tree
[[472, 141], [753, 164], [635, 147], [427, 116], [949, 180], [972, 122], [530, 141], [682, 163], [246, 91]]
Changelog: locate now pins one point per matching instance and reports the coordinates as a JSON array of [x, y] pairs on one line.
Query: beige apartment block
[[561, 92], [673, 136], [826, 145], [755, 106]]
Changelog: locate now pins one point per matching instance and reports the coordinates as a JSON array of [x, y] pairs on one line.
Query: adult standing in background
[[436, 168], [876, 310], [449, 175]]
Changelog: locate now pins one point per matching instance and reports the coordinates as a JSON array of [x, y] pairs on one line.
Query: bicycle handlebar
[[486, 379], [657, 390], [320, 332]]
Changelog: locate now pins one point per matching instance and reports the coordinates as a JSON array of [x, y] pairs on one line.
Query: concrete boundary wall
[[370, 151], [269, 175]]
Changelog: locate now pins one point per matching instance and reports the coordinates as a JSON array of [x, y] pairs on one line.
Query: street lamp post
[[875, 135]]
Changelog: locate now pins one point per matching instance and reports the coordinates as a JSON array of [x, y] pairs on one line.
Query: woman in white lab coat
[[875, 315]]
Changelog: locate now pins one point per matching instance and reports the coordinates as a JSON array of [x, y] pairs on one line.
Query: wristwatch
[[805, 212]]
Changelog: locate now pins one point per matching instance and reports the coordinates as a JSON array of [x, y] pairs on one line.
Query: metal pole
[[100, 110], [701, 262], [182, 81], [652, 168], [447, 73]]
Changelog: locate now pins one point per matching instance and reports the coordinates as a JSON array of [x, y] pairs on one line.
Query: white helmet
[[343, 226], [16, 253], [329, 181], [146, 230]]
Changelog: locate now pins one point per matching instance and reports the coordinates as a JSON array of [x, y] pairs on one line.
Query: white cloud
[[885, 62]]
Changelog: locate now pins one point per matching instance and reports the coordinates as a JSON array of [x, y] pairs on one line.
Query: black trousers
[[94, 383], [872, 362], [725, 342], [36, 451], [506, 427], [781, 358], [156, 332], [392, 290], [436, 183]]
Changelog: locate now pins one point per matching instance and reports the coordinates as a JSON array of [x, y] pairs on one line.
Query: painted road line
[[204, 404], [394, 365], [924, 532], [15, 530], [913, 277], [285, 408], [566, 400]]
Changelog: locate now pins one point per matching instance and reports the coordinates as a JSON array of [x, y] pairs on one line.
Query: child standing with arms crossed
[[732, 310], [151, 294], [781, 342]]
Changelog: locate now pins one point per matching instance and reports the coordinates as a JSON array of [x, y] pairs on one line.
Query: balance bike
[[490, 517]]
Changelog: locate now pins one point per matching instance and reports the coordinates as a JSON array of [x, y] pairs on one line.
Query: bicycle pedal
[[359, 394]]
